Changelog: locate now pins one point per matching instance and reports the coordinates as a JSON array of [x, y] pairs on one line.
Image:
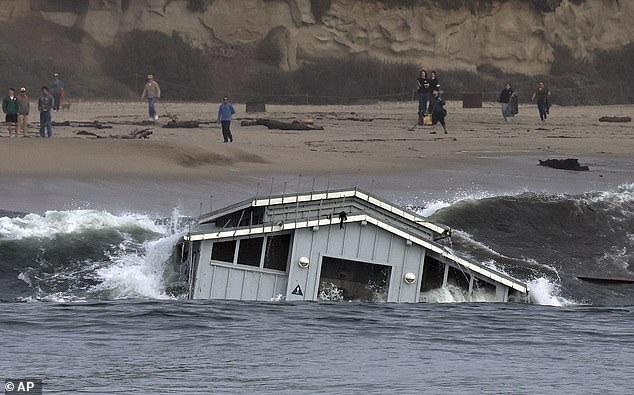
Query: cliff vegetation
[[321, 51]]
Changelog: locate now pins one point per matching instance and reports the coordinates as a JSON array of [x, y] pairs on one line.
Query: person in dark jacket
[[505, 100], [437, 111], [424, 93], [541, 94], [45, 105], [10, 107], [434, 81]]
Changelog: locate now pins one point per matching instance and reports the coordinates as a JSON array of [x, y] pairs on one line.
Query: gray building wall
[[228, 281], [366, 243]]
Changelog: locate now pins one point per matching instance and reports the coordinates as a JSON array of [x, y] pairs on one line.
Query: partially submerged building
[[334, 245]]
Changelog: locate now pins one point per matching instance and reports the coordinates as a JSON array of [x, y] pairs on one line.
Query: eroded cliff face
[[509, 35]]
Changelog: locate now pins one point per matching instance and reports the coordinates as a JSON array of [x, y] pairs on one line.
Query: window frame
[[260, 267]]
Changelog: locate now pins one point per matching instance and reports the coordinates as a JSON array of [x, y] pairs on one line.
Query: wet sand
[[374, 147]]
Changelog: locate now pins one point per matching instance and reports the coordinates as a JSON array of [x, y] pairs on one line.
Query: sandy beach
[[374, 147]]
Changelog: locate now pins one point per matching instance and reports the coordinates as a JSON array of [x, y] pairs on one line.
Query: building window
[[247, 217], [277, 249], [250, 251], [223, 251]]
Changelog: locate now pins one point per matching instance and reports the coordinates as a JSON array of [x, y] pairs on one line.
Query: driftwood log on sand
[[272, 124], [615, 119], [79, 124], [564, 164], [135, 134], [87, 133], [181, 124]]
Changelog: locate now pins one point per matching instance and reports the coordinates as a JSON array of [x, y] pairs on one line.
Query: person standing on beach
[[225, 113], [45, 105], [542, 93], [151, 92], [24, 108], [424, 92], [434, 82], [505, 101], [437, 111], [57, 90], [10, 108]]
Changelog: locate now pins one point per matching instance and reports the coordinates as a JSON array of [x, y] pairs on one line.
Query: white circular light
[[303, 262], [409, 278]]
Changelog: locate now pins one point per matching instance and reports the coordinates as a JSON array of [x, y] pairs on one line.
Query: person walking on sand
[[45, 105], [10, 108], [437, 111], [542, 93], [225, 113], [57, 90], [424, 92], [505, 100], [151, 92], [24, 107]]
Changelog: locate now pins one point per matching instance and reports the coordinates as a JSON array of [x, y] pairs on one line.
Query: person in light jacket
[[24, 107], [151, 92]]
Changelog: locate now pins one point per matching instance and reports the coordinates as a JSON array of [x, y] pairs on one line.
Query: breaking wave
[[544, 240], [82, 255]]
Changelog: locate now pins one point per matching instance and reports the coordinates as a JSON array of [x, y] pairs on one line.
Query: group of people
[[152, 92], [430, 101], [509, 102], [17, 108], [432, 105]]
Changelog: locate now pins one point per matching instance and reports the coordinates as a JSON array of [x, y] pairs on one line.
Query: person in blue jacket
[[225, 112]]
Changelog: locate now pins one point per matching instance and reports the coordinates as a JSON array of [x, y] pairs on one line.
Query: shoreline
[[370, 147]]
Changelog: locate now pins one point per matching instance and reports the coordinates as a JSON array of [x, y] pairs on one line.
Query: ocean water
[[85, 305]]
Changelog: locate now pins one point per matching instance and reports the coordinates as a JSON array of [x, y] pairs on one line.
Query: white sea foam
[[546, 292], [454, 294], [430, 207], [138, 274], [62, 222], [25, 277]]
